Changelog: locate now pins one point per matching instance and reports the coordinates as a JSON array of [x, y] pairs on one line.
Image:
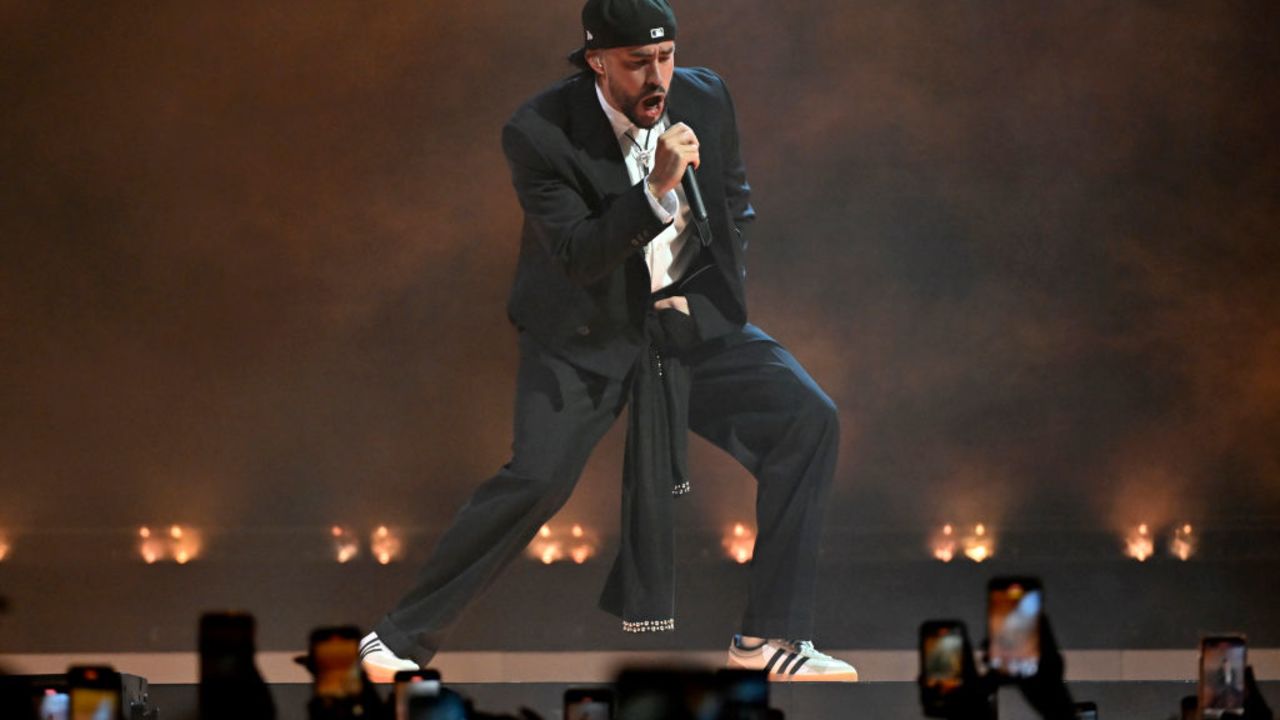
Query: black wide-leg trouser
[[749, 396]]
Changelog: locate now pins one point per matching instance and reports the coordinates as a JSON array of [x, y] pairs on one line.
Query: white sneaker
[[789, 661], [380, 664]]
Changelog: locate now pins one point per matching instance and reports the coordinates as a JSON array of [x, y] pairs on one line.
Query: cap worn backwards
[[622, 23]]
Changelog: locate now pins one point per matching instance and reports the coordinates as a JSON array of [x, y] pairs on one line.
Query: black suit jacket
[[582, 286]]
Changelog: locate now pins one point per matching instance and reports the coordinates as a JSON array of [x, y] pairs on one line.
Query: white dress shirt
[[668, 255]]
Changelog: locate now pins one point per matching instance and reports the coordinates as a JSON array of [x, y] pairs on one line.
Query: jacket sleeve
[[587, 244]]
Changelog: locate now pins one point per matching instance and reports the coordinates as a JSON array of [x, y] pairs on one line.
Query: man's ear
[[595, 61]]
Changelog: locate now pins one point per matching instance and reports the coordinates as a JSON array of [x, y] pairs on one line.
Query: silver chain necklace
[[646, 153]]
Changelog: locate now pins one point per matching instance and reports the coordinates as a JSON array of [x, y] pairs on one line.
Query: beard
[[643, 109]]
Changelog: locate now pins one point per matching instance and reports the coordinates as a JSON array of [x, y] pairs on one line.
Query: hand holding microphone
[[674, 162], [677, 150]]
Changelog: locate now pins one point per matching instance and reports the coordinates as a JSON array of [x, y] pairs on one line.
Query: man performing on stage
[[629, 292]]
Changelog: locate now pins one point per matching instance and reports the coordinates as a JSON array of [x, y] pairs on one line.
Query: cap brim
[[579, 58]]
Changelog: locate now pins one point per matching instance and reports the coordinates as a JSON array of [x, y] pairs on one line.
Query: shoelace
[[806, 648]]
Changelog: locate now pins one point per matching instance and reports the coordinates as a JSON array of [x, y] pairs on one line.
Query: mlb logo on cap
[[657, 33]]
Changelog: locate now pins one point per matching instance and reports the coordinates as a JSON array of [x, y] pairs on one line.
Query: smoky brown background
[[255, 256]]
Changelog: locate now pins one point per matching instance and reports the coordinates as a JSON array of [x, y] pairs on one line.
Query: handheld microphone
[[697, 208], [693, 194]]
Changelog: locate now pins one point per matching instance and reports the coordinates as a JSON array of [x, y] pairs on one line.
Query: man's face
[[636, 79]]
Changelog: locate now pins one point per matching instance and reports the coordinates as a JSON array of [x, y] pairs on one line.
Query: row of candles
[[577, 544], [978, 544]]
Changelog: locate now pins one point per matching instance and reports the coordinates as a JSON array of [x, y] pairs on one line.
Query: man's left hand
[[677, 302]]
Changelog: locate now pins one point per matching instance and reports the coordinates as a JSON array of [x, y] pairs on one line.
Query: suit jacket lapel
[[683, 112], [594, 141]]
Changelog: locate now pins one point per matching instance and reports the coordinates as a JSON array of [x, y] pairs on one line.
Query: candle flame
[[1138, 544], [943, 544], [346, 545], [550, 546], [179, 544], [385, 545], [1183, 543], [739, 543], [980, 546]]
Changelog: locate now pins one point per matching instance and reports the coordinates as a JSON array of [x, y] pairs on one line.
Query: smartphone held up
[[1014, 606], [943, 644], [1222, 664]]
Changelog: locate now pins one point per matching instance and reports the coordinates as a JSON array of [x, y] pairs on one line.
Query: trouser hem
[[402, 644]]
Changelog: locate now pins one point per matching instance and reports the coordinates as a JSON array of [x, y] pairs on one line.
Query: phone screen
[[444, 706], [942, 657], [414, 684], [55, 705], [1013, 626], [95, 704], [336, 664], [1222, 664], [94, 693]]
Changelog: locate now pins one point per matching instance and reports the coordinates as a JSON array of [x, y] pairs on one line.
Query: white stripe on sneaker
[[777, 653]]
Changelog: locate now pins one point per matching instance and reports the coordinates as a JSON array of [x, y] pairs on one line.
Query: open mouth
[[652, 105]]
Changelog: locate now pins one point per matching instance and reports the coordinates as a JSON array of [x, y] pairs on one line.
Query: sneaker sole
[[379, 674], [826, 677]]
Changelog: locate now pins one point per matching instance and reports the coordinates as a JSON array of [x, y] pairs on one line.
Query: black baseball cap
[[622, 23]]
